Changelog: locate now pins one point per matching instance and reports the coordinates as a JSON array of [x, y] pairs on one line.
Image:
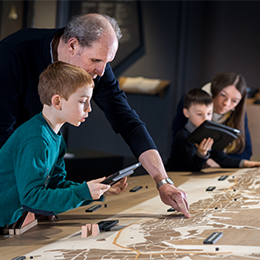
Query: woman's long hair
[[237, 117]]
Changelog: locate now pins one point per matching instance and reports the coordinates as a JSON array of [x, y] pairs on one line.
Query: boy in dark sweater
[[187, 156], [32, 172]]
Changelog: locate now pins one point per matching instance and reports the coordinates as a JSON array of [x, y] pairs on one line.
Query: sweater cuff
[[241, 164], [203, 156]]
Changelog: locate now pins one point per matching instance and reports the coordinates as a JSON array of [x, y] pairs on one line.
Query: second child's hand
[[205, 146]]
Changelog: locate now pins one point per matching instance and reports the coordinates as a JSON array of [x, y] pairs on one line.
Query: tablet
[[222, 135], [117, 176]]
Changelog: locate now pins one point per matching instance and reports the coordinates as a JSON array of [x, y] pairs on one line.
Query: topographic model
[[148, 231]]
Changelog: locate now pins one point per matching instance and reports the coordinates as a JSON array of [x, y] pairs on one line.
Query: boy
[[32, 173], [187, 156]]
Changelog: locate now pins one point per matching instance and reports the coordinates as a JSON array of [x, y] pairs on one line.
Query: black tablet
[[222, 135], [117, 176]]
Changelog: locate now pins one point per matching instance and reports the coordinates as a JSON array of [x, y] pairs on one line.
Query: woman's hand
[[249, 164]]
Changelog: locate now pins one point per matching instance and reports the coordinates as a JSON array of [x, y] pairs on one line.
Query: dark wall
[[186, 42]]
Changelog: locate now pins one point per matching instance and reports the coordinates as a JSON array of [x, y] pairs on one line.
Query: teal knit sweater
[[32, 174]]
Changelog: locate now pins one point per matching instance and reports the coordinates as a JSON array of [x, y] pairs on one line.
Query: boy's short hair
[[63, 79], [196, 96]]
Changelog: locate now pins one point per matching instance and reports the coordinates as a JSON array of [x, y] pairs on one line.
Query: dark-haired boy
[[187, 156]]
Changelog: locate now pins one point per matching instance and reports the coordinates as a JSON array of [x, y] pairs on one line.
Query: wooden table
[[70, 222]]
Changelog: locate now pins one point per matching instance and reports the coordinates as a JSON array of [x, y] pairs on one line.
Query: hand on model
[[205, 146], [96, 188], [248, 164], [117, 188], [176, 198], [169, 194]]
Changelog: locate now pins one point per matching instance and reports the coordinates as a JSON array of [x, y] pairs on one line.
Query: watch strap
[[164, 181]]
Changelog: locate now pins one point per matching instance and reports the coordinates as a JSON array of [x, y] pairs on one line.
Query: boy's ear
[[56, 102], [186, 112]]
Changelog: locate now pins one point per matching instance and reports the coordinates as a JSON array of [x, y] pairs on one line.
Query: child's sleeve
[[32, 178], [184, 155], [224, 160]]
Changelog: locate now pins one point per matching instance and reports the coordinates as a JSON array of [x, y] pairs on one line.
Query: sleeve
[[247, 153], [58, 178], [9, 92], [224, 160], [184, 156], [32, 177], [123, 119]]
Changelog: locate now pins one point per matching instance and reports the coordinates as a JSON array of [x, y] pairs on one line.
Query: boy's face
[[75, 110], [198, 113]]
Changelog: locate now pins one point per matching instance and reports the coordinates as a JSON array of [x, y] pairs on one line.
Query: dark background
[[185, 42]]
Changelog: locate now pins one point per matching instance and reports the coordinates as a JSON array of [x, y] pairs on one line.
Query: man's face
[[94, 59], [198, 113]]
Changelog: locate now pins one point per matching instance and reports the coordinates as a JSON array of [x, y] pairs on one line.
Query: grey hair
[[89, 28]]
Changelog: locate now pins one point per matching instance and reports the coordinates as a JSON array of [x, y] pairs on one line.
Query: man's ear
[[186, 112], [73, 45], [56, 101]]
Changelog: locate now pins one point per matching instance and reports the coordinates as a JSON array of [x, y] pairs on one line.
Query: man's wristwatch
[[164, 181]]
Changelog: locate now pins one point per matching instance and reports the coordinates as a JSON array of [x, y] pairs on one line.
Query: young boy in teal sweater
[[32, 173]]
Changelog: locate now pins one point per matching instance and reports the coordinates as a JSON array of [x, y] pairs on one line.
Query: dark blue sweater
[[184, 155], [180, 120], [24, 55]]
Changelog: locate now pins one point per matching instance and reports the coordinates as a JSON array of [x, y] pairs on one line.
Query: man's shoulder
[[28, 34]]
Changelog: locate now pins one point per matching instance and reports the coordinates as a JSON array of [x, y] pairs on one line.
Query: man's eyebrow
[[84, 96], [94, 59]]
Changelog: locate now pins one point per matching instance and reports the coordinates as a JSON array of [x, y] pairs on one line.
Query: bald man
[[90, 42]]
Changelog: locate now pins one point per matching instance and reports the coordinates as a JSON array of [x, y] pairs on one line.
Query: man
[[90, 42]]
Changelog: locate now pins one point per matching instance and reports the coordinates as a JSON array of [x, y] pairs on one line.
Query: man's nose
[[100, 68]]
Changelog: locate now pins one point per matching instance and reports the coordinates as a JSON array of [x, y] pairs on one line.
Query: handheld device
[[221, 134], [117, 176]]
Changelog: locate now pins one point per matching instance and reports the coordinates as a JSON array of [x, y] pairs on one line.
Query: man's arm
[[169, 194], [124, 120]]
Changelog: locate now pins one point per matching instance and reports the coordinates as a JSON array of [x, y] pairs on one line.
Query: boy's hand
[[96, 188], [205, 146], [211, 163], [117, 187]]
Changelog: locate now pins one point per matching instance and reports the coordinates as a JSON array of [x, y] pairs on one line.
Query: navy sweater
[[180, 120], [184, 155], [24, 55]]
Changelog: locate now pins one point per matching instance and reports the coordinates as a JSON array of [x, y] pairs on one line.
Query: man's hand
[[117, 187], [169, 194], [174, 197]]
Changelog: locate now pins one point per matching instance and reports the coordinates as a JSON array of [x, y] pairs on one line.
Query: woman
[[228, 91]]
